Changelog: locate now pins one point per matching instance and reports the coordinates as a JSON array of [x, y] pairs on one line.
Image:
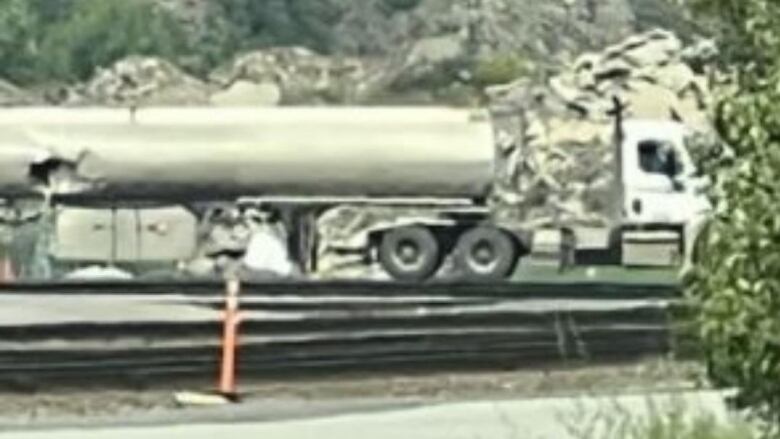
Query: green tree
[[283, 22], [400, 5], [18, 39], [212, 44], [736, 283], [49, 11], [500, 69], [99, 32]]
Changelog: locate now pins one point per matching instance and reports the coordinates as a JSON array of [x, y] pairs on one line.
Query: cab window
[[659, 157]]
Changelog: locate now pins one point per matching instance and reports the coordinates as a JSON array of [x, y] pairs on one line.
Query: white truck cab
[[661, 189]]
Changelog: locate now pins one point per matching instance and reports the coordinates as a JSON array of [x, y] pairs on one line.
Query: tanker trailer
[[130, 186], [207, 154]]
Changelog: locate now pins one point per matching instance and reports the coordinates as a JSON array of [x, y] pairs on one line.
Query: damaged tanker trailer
[[204, 191]]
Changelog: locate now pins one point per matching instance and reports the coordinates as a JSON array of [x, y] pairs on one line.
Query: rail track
[[299, 329]]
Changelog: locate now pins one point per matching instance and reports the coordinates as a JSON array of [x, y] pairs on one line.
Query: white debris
[[267, 252], [97, 272], [190, 399]]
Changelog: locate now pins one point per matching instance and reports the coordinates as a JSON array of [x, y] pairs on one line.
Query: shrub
[[282, 22], [666, 420], [18, 39], [99, 32], [499, 69], [736, 282], [401, 5], [65, 40]]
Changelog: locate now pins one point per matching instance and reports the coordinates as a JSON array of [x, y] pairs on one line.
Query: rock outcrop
[[140, 81], [426, 48], [557, 134], [294, 75]]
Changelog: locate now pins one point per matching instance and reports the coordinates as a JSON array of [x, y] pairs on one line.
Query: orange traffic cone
[[227, 373], [226, 391], [7, 274]]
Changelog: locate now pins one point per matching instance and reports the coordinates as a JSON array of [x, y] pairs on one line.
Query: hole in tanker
[[42, 172], [60, 176]]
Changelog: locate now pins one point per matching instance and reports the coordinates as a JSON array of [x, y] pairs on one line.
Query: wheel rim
[[408, 253], [483, 252], [483, 256]]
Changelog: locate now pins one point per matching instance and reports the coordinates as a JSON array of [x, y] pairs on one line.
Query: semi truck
[[155, 186]]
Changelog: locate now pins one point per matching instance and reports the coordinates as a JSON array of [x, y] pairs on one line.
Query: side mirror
[[678, 185]]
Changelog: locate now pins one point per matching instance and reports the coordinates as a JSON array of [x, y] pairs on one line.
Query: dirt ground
[[78, 405]]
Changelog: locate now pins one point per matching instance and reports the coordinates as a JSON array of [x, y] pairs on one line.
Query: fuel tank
[[210, 153]]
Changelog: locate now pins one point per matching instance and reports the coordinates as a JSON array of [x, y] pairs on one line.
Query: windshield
[[659, 157]]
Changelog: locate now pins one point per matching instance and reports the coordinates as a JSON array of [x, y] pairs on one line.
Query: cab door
[[654, 170]]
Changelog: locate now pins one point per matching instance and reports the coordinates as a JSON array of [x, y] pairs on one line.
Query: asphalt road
[[529, 418]]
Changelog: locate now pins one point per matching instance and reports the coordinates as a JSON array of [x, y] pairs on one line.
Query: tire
[[486, 254], [410, 253]]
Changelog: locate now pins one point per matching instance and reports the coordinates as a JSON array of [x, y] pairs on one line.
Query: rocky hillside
[[309, 51], [381, 27]]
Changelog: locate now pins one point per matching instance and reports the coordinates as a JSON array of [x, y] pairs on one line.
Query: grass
[[671, 420], [596, 274]]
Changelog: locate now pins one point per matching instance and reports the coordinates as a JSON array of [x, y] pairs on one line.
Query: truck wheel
[[409, 253], [486, 253]]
